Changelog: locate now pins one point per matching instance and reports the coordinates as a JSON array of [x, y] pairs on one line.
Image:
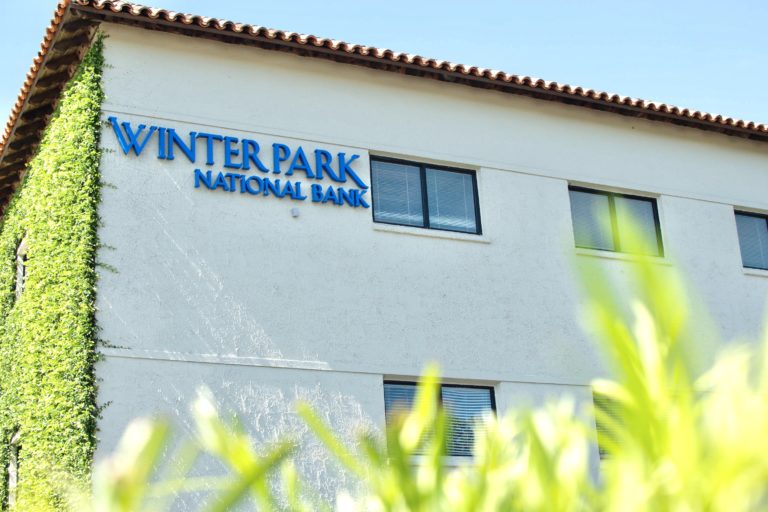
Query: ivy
[[48, 334]]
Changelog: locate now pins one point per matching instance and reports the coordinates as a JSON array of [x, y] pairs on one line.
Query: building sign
[[251, 170]]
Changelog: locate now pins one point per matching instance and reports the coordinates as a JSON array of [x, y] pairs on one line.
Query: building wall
[[233, 291]]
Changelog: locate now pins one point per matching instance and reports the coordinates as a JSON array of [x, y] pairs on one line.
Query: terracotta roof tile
[[419, 61]]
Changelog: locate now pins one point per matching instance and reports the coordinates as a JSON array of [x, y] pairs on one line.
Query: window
[[605, 412], [464, 406], [21, 267], [412, 194], [753, 239], [600, 218], [12, 472]]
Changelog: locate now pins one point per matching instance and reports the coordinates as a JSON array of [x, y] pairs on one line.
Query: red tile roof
[[79, 17]]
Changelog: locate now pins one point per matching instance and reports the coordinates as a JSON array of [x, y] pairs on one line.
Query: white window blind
[[398, 399], [451, 198], [591, 220], [465, 407], [413, 194], [753, 240], [397, 193]]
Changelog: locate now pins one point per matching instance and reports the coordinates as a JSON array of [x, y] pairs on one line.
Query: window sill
[[431, 233], [755, 272], [622, 256]]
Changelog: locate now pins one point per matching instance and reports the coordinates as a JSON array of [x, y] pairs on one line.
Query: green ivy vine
[[48, 335]]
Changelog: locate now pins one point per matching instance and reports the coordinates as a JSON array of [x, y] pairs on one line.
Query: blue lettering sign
[[243, 154], [230, 152], [250, 154], [175, 141], [132, 142]]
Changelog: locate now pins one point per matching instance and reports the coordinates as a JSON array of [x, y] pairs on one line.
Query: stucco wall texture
[[232, 291]]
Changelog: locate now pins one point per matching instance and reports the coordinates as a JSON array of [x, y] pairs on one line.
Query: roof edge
[[385, 59], [65, 42]]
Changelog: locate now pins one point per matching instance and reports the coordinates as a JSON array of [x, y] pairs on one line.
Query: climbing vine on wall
[[47, 334]]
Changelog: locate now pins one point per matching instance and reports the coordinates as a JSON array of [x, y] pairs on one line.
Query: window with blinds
[[605, 413], [465, 407], [413, 194], [753, 239], [600, 218]]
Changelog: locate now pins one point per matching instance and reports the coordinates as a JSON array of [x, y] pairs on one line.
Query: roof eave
[[386, 60], [64, 45]]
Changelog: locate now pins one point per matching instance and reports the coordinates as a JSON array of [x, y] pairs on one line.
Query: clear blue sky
[[710, 55]]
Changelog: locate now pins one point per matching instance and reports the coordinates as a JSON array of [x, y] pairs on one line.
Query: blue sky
[[709, 55]]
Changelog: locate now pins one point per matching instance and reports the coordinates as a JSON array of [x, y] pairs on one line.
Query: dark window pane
[[465, 408], [397, 193], [638, 213], [753, 240], [591, 220], [451, 201]]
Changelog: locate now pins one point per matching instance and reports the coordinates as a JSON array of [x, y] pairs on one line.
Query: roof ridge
[[221, 24]]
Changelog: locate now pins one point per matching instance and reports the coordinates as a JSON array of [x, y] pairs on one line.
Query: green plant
[[47, 335], [681, 438]]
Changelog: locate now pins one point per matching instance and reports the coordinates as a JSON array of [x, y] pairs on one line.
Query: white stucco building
[[266, 299]]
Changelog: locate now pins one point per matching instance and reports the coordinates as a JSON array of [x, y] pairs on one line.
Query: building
[[282, 217]]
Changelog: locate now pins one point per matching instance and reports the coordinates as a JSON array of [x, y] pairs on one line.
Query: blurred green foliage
[[47, 333]]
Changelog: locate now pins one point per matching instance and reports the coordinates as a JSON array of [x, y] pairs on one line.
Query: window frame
[[12, 472], [748, 214], [616, 236], [22, 271], [424, 195], [442, 385]]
